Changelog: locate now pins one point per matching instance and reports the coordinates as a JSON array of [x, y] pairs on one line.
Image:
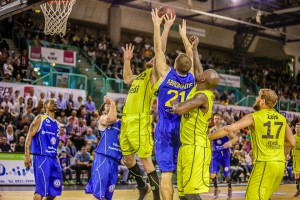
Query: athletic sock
[[214, 180], [154, 182], [297, 183], [136, 172]]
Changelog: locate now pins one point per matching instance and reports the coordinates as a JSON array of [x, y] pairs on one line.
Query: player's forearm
[[187, 46], [112, 115], [196, 61], [218, 134], [287, 150], [28, 144], [157, 39], [288, 144], [164, 39], [127, 73]]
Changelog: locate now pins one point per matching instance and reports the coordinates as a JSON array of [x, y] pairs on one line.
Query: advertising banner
[[230, 80], [13, 170], [25, 89], [58, 56], [195, 31]]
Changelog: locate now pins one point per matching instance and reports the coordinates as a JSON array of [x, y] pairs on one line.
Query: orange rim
[[60, 2]]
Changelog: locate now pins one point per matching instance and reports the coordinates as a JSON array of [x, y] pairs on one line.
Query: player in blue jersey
[[174, 83], [221, 156], [108, 154], [43, 139]]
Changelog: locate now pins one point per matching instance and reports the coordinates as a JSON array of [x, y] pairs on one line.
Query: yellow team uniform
[[296, 155], [268, 154], [195, 153], [136, 129]]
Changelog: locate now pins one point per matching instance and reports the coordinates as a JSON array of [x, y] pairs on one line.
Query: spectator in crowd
[[79, 103], [32, 97], [65, 168], [62, 135], [73, 117], [89, 147], [8, 68], [4, 146], [17, 97], [6, 102], [235, 169], [29, 103], [60, 147], [70, 149], [61, 104], [24, 132], [29, 114], [7, 117], [90, 105], [95, 130], [42, 97], [78, 134], [10, 95], [20, 147], [81, 162], [18, 69], [64, 118], [70, 100], [11, 138], [69, 109], [89, 136], [69, 127]]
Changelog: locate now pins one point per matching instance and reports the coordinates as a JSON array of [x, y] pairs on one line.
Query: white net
[[56, 14]]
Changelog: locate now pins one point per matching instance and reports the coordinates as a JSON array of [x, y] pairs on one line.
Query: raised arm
[[34, 127], [182, 108], [186, 42], [111, 116], [127, 73], [160, 59], [164, 36], [198, 69], [244, 122], [233, 140]]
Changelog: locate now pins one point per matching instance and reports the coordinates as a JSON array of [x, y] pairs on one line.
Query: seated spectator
[[95, 129], [62, 135], [6, 102], [29, 114], [81, 162], [4, 146], [6, 78], [60, 147], [20, 147], [19, 107], [89, 147], [7, 117], [125, 173], [11, 138], [89, 136], [61, 104], [65, 168], [69, 109], [32, 97], [18, 79], [70, 149], [89, 105], [249, 163], [92, 54], [64, 118], [24, 131], [235, 169], [73, 117], [8, 68], [31, 75], [78, 134], [69, 128], [79, 103]]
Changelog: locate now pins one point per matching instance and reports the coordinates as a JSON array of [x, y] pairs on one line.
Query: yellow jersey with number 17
[[296, 149], [268, 136], [194, 124], [141, 94]]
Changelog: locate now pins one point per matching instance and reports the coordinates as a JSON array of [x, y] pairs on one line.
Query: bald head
[[210, 78]]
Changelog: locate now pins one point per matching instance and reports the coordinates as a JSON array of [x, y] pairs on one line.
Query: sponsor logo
[[47, 120], [53, 140], [226, 169], [48, 132], [273, 145], [219, 141], [109, 127], [57, 183], [111, 188]]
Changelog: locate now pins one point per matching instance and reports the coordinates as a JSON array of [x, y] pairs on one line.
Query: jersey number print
[[176, 94], [268, 124]]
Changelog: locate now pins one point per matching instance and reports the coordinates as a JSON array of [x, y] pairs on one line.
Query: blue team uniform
[[220, 156], [167, 138], [105, 166], [44, 145]]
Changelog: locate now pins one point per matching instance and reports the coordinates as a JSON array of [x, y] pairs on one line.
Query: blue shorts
[[104, 177], [167, 144], [220, 158], [47, 176]]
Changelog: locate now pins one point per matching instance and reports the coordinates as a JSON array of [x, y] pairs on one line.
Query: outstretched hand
[[128, 51], [169, 21], [108, 100], [182, 28], [155, 18], [194, 40]]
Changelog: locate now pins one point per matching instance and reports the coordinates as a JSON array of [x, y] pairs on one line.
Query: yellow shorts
[[264, 180], [136, 135], [296, 164], [193, 169]]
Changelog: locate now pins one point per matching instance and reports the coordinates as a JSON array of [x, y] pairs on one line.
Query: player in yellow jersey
[[270, 134], [195, 153], [136, 129], [296, 159]]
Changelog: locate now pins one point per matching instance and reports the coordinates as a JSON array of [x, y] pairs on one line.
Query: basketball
[[166, 10]]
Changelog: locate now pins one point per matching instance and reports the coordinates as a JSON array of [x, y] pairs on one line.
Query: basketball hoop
[[56, 14]]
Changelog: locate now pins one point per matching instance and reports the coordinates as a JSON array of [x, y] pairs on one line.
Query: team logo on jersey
[[219, 141], [226, 169], [47, 120], [111, 188], [53, 140], [109, 127], [57, 183]]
